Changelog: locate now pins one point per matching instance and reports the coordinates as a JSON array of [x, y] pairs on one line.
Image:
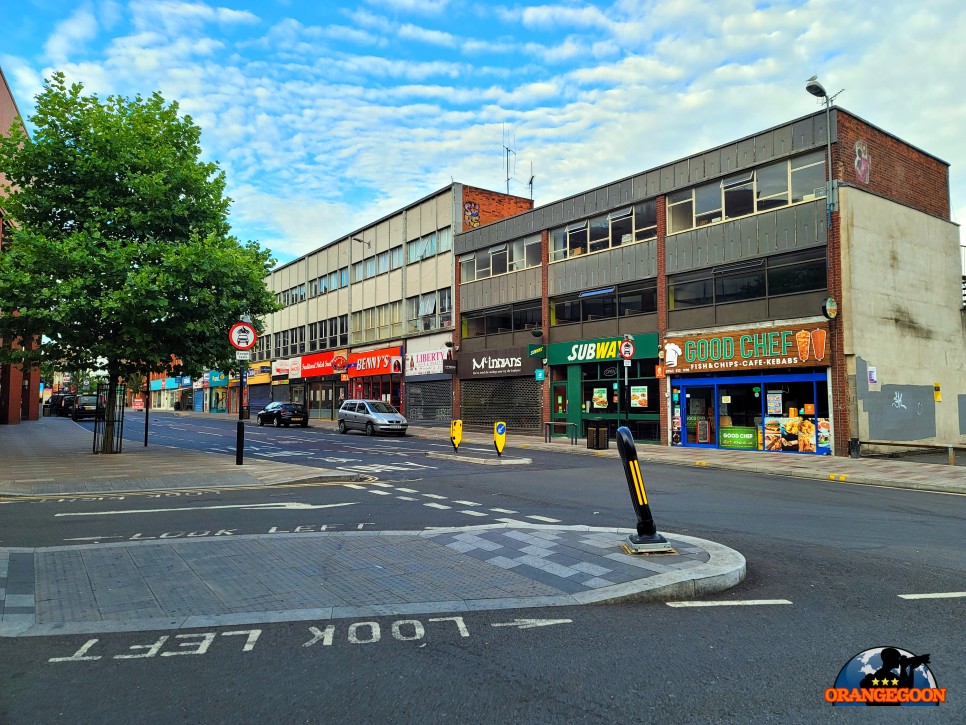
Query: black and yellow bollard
[[647, 539], [456, 434], [499, 438]]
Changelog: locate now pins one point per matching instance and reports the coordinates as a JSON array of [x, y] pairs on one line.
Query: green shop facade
[[587, 385]]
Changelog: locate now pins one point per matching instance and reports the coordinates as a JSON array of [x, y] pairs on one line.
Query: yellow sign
[[456, 433], [499, 437], [937, 393]]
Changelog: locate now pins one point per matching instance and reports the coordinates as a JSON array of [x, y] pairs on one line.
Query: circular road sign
[[627, 350], [242, 336]]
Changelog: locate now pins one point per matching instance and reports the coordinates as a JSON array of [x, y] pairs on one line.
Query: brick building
[[19, 391], [369, 315], [725, 270]]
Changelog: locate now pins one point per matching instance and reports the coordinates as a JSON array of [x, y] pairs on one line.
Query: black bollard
[[240, 443], [647, 538]]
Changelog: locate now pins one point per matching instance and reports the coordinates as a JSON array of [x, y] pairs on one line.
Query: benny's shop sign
[[599, 350], [770, 347]]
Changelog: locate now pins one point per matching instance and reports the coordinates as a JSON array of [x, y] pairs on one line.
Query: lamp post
[[818, 90]]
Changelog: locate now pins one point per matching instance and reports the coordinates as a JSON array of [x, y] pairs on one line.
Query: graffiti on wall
[[896, 412], [863, 162], [471, 214]]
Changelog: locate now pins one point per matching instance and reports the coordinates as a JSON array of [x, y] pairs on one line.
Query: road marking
[[531, 623], [934, 595], [504, 511], [470, 512], [433, 495], [94, 538], [407, 490], [437, 505], [381, 485], [467, 503], [407, 498], [382, 493], [254, 506], [354, 485], [736, 603], [545, 519]]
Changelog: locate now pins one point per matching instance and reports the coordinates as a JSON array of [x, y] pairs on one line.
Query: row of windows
[[429, 245], [289, 342], [329, 282], [328, 334], [500, 259], [430, 311], [633, 299], [750, 192], [378, 264], [510, 318], [781, 275], [636, 224]]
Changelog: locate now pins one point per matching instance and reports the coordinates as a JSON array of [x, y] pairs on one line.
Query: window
[[799, 272], [396, 257], [498, 260], [532, 251], [558, 245], [515, 255], [621, 227], [565, 311], [421, 248], [499, 321], [683, 294], [645, 221], [370, 267], [445, 307], [599, 307], [707, 204], [343, 330], [740, 286], [637, 300], [333, 280], [445, 239], [526, 317], [599, 234], [577, 239], [314, 288], [739, 196], [772, 186], [357, 272], [344, 277], [680, 211], [808, 175], [467, 268], [313, 336]]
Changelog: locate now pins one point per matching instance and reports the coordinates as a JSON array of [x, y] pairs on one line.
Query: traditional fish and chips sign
[[795, 346]]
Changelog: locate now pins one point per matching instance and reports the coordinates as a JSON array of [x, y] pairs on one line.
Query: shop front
[[377, 375], [500, 385], [258, 387], [280, 387], [217, 392], [587, 384], [199, 389], [429, 391], [323, 374], [764, 389], [164, 393]]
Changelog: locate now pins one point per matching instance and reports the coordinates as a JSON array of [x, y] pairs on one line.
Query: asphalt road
[[839, 555]]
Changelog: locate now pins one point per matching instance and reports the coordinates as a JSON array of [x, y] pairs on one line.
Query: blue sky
[[326, 116]]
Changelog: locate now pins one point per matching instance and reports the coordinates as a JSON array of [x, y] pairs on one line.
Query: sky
[[327, 116]]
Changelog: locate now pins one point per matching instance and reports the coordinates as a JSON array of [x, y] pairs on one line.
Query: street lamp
[[818, 90]]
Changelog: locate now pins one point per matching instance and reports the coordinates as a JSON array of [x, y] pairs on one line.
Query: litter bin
[[598, 435], [46, 410]]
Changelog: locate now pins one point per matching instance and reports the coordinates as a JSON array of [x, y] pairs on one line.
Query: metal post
[[147, 406], [627, 395], [240, 433], [952, 455]]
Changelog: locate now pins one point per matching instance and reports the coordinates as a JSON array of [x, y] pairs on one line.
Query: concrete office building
[[765, 313], [370, 315]]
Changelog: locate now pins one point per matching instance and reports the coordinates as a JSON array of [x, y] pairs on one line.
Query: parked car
[[62, 404], [371, 416], [89, 406], [279, 414]]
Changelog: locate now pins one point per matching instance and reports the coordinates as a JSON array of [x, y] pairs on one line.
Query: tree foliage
[[120, 256]]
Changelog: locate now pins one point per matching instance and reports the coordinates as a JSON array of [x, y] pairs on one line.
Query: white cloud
[[409, 31], [70, 35]]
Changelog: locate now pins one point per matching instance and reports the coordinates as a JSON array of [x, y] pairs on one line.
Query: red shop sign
[[375, 362]]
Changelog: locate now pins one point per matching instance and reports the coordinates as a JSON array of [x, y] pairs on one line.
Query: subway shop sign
[[601, 349], [757, 348]]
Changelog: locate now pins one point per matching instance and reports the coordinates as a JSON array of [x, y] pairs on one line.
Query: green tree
[[120, 256]]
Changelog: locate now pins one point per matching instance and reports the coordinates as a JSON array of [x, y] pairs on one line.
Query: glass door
[[699, 411]]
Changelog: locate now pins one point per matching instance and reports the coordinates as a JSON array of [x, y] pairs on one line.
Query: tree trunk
[[107, 443]]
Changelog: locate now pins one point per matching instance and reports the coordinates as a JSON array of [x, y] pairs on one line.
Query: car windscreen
[[87, 400], [382, 408]]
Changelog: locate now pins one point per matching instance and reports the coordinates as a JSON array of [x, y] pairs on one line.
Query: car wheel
[[259, 421], [370, 431], [278, 422], [342, 427]]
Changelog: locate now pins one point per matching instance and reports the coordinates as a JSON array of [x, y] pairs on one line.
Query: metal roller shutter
[[429, 402], [258, 397], [515, 401]]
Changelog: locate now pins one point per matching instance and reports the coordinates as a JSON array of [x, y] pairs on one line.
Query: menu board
[[704, 431], [600, 397], [638, 396], [774, 403]]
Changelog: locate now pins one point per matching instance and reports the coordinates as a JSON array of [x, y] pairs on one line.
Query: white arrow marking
[[531, 623], [254, 506]]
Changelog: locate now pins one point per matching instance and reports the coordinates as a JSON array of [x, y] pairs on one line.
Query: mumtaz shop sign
[[600, 350], [761, 348]]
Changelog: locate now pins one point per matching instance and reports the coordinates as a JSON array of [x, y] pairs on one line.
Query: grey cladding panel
[[731, 241], [729, 158], [682, 175], [667, 178], [712, 164], [819, 128], [748, 236], [803, 135], [696, 169], [653, 183], [625, 191], [639, 187], [764, 147], [767, 231], [746, 153], [568, 210], [805, 233], [786, 229], [782, 141], [580, 206], [558, 214]]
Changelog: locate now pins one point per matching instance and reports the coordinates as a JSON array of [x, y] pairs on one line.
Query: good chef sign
[[771, 347]]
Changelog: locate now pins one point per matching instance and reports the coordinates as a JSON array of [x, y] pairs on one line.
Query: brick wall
[[493, 205], [897, 171]]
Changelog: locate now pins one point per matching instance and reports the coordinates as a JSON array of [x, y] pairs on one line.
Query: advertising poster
[[638, 396], [774, 403], [600, 397]]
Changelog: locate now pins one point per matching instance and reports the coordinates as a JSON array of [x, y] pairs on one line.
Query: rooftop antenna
[[508, 150], [530, 183]]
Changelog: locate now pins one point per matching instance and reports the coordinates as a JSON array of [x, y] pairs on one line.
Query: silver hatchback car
[[371, 416]]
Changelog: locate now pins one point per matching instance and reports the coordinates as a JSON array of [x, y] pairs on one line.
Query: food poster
[[600, 397], [638, 396], [774, 403], [800, 435]]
